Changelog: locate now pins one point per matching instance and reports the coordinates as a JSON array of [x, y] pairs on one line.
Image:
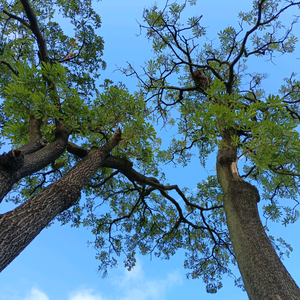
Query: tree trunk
[[21, 225], [264, 275], [30, 158]]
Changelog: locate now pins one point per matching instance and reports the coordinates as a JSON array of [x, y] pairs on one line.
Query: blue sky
[[58, 264]]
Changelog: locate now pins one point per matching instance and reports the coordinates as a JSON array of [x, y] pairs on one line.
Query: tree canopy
[[87, 152]]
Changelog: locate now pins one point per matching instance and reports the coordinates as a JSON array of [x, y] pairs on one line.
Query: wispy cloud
[[135, 285], [36, 294], [85, 295]]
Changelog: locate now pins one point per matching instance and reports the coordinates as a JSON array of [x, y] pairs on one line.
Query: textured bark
[[35, 132], [21, 225], [35, 157], [125, 167], [264, 275], [33, 147], [122, 165]]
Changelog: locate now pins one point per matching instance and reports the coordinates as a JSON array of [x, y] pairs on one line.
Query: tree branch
[[34, 129], [283, 172], [36, 30], [18, 19], [21, 225], [76, 150], [10, 67], [38, 156]]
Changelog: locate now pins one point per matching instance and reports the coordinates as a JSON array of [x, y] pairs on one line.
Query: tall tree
[[71, 137], [216, 111], [50, 101]]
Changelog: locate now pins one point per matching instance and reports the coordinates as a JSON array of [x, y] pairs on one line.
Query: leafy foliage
[[191, 84], [263, 128]]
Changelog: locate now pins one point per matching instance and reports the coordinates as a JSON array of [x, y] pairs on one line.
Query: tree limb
[[18, 19], [36, 30]]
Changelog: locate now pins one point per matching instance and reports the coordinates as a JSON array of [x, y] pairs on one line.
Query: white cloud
[[36, 294], [85, 295], [134, 285]]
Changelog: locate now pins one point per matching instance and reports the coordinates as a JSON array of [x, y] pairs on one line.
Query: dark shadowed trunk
[[21, 225], [265, 277], [30, 158]]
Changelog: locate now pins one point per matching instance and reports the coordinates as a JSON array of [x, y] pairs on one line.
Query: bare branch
[[104, 181]]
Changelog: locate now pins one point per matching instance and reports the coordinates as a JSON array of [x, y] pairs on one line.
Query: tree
[[69, 136]]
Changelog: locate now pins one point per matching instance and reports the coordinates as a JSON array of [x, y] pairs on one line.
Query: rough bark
[[122, 165], [264, 275], [21, 225], [34, 131], [29, 159]]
